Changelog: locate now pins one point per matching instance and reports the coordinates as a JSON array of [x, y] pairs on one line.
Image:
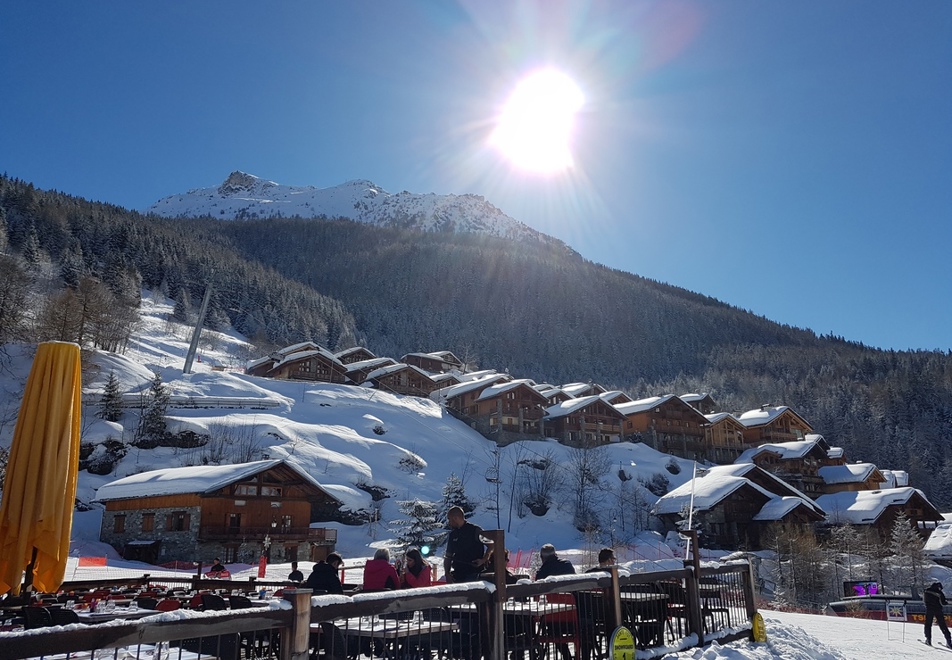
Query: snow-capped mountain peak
[[243, 196]]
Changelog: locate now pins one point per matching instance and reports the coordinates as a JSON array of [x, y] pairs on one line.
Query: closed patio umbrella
[[36, 510]]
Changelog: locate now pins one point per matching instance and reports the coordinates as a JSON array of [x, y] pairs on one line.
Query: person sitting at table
[[324, 576], [295, 575], [217, 566], [379, 573], [552, 564], [606, 559], [415, 572]]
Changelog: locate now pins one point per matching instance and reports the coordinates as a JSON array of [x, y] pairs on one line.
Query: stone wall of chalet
[[176, 545]]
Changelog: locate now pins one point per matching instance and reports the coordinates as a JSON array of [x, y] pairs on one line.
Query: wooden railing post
[[498, 641], [695, 615], [296, 640], [615, 595]]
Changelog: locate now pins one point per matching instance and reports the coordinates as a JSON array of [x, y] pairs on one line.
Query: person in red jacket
[[415, 571], [379, 574]]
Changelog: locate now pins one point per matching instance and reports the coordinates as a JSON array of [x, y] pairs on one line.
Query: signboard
[[896, 611], [622, 646], [860, 588]]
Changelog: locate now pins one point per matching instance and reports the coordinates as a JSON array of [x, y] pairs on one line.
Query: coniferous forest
[[72, 269]]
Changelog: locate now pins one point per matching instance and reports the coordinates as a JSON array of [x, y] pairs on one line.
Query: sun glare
[[534, 130]]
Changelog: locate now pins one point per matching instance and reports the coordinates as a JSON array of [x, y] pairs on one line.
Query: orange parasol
[[36, 512]]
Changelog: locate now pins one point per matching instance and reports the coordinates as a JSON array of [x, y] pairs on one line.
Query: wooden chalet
[[851, 476], [437, 362], [354, 354], [703, 403], [667, 424], [402, 379], [879, 509], [798, 463], [724, 438], [552, 394], [357, 372], [460, 399], [508, 411], [733, 509], [773, 424], [578, 390], [236, 512], [584, 422], [615, 397], [309, 363]]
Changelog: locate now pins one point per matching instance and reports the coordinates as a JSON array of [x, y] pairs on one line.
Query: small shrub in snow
[[673, 467], [658, 484], [379, 429], [411, 463]]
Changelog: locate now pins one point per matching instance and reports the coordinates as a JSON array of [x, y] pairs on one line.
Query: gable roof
[[303, 355], [395, 368], [775, 485], [642, 405], [570, 406], [851, 473], [767, 414], [199, 479], [863, 507], [453, 391], [780, 507], [785, 450], [340, 355], [709, 491], [574, 390], [499, 389], [369, 364]]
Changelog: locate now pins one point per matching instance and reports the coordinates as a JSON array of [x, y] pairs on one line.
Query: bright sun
[[535, 128]]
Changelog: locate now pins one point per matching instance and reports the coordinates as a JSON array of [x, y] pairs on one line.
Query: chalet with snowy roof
[[703, 403], [552, 394], [237, 512], [314, 364], [508, 411], [354, 354], [460, 399], [586, 421], [724, 437], [879, 509], [615, 397], [667, 424], [447, 379], [837, 456], [773, 424], [357, 372], [733, 510], [437, 362], [577, 390], [798, 463], [850, 476], [402, 379]]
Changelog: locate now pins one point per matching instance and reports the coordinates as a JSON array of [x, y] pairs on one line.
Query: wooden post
[[299, 636], [615, 593], [498, 642], [750, 598]]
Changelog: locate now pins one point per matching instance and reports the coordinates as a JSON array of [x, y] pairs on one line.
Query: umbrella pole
[[28, 577]]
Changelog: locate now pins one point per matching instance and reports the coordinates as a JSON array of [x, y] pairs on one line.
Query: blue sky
[[793, 159]]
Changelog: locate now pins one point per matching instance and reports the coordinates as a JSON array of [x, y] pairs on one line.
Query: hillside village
[[759, 471]]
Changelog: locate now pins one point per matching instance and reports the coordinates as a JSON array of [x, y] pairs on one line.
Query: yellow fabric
[[39, 492]]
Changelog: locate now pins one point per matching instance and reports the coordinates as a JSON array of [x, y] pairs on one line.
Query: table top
[[100, 616]]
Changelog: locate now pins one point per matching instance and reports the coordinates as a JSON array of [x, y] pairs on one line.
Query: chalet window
[[510, 395], [285, 523], [306, 365], [271, 491], [178, 521], [119, 524], [291, 552], [148, 522], [231, 554], [234, 521], [246, 489]]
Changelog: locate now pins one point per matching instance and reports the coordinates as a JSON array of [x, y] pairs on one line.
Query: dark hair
[[417, 558], [605, 554], [334, 557]]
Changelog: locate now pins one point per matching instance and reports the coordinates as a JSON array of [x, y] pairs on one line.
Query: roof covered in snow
[[192, 479], [786, 450], [864, 507], [778, 508], [445, 393], [501, 388], [570, 406], [764, 415], [850, 473], [641, 405], [395, 368]]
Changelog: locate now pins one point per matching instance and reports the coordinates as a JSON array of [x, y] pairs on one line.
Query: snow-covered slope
[[345, 437], [244, 196]]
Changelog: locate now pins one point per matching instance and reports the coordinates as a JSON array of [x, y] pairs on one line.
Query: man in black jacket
[[323, 578], [934, 600], [552, 564]]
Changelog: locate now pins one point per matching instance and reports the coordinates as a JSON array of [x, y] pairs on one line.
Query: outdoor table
[[389, 631], [101, 616]]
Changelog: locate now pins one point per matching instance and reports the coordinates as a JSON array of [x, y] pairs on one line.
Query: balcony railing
[[247, 532]]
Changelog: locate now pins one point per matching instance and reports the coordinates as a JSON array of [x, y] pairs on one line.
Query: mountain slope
[[245, 196]]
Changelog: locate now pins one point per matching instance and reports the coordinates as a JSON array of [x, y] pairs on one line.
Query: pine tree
[[180, 313], [454, 494], [908, 560], [110, 405], [419, 527], [152, 424]]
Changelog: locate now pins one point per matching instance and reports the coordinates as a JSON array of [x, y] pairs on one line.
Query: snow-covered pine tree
[[454, 494], [110, 404], [908, 561], [419, 525], [152, 424]]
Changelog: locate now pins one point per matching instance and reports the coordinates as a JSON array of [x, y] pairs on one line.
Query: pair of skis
[[940, 646]]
